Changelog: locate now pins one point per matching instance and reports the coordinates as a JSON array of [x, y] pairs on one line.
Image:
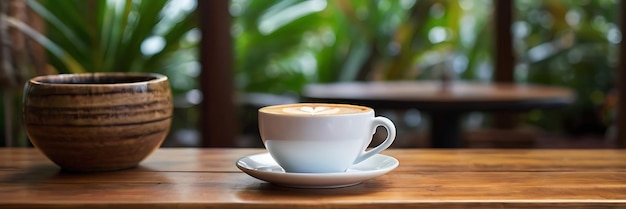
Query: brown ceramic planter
[[100, 121]]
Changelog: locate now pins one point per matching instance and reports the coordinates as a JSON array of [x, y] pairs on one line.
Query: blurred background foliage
[[327, 41], [159, 36], [282, 45], [573, 44], [124, 36]]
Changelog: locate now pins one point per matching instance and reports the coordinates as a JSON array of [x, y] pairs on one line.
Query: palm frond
[[72, 64]]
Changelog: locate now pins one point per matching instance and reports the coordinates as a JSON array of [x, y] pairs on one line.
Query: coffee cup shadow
[[268, 191]]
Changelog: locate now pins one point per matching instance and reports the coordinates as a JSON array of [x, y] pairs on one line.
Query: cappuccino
[[315, 109], [319, 137]]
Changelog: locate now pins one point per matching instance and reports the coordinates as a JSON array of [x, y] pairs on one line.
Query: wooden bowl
[[99, 121]]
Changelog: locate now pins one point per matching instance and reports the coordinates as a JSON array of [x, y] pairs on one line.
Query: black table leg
[[445, 129]]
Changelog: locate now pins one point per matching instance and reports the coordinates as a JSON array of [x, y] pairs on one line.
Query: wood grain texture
[[208, 178], [98, 121]]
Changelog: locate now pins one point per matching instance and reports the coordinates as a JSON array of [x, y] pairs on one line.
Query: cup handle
[[391, 135]]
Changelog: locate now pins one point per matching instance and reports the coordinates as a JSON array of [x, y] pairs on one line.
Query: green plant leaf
[[73, 65]]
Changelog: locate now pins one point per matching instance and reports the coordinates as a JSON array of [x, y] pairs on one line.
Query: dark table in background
[[444, 103]]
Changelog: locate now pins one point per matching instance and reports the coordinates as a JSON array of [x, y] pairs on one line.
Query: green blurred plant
[[572, 44], [283, 45], [108, 35], [121, 36]]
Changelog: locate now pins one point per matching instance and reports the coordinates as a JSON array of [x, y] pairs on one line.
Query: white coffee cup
[[321, 138]]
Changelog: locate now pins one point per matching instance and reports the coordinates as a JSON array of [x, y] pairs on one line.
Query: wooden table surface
[[426, 178]]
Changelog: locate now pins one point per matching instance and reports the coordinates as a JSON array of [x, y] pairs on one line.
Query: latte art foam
[[313, 109], [319, 110]]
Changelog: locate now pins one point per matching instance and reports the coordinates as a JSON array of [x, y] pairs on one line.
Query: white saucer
[[263, 167]]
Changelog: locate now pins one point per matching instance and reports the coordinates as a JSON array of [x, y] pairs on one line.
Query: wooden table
[[444, 103], [208, 178]]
